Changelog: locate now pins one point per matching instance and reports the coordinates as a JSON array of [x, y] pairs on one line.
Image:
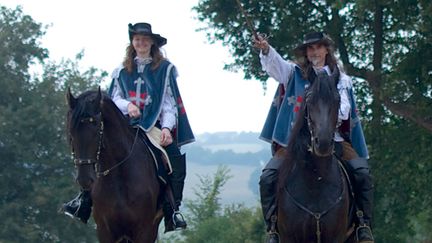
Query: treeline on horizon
[[200, 152]]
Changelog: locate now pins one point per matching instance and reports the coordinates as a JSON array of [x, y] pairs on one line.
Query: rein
[[318, 215], [106, 172], [96, 162]]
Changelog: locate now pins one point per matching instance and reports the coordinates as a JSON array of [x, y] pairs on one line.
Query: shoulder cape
[[286, 104], [147, 89]]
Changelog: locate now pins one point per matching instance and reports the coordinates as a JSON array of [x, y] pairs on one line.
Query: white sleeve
[[168, 116], [345, 106], [118, 98], [344, 84], [275, 66]]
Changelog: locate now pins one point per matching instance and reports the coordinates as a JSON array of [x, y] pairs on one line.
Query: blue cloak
[[151, 92], [285, 105]]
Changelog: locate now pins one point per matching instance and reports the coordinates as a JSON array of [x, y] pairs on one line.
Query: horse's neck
[[118, 138], [121, 146], [126, 158], [315, 181], [318, 169]]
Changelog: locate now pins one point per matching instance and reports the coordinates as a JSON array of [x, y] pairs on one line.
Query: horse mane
[[86, 106]]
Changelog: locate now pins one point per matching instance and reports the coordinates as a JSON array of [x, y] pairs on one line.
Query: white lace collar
[[142, 61]]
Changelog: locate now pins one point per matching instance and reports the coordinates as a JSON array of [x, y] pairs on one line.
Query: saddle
[[160, 156]]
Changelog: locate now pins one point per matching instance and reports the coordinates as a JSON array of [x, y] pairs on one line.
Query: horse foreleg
[[104, 234], [147, 235]]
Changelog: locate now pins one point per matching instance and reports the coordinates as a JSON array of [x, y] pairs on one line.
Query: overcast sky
[[215, 100]]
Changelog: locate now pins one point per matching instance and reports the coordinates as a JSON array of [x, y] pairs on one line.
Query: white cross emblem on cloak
[[138, 100]]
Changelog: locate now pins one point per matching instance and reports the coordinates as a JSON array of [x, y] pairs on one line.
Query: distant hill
[[244, 153], [244, 148]]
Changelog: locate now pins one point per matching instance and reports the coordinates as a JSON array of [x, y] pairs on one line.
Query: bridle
[[311, 146], [96, 162], [87, 161]]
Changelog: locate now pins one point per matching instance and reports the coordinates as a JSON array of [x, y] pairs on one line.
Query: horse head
[[322, 105], [85, 130]]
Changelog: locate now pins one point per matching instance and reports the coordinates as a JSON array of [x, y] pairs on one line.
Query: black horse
[[116, 165], [313, 193]]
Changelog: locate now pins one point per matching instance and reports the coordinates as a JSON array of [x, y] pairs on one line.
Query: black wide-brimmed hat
[[314, 38], [145, 29]]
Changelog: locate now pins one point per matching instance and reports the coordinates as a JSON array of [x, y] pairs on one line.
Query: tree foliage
[[377, 41], [386, 47], [212, 222], [36, 173]]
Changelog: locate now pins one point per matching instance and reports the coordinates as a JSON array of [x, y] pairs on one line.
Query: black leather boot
[[363, 191], [177, 184], [267, 184], [174, 220], [79, 207]]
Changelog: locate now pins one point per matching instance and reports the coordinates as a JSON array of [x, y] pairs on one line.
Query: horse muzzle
[[322, 148], [86, 173]]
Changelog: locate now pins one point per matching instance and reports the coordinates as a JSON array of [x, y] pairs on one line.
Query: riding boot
[[363, 190], [172, 217], [267, 184], [79, 207], [176, 185], [268, 189]]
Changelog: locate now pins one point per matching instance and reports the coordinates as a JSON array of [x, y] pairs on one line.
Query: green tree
[[377, 41], [210, 221], [36, 173], [386, 47]]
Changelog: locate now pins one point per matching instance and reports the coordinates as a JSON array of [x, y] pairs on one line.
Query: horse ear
[[70, 99]]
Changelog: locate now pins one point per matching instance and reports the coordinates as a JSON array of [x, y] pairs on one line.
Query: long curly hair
[[307, 66], [155, 53]]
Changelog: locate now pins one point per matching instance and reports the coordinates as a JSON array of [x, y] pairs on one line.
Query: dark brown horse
[[116, 165], [313, 195]]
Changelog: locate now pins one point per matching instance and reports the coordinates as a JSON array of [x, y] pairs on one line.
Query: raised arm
[[276, 67]]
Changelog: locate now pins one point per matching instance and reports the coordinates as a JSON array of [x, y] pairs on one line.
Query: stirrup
[[78, 208], [70, 214], [273, 237], [366, 227], [74, 215], [71, 208], [178, 217]]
